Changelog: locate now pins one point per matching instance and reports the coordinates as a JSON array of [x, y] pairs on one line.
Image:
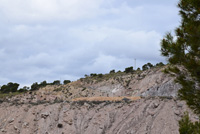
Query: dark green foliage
[[34, 86], [174, 70], [144, 67], [21, 90], [147, 66], [86, 75], [84, 89], [66, 81], [43, 84], [56, 82], [10, 87], [166, 71], [112, 71], [188, 127], [4, 88], [189, 93], [100, 75], [129, 70], [185, 51], [24, 89], [160, 64], [93, 75]]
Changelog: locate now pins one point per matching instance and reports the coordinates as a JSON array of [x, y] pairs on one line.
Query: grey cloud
[[108, 37]]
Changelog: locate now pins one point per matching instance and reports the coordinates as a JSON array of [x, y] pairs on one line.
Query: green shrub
[[112, 71], [129, 70], [93, 75], [100, 75], [24, 89], [56, 82], [188, 127], [160, 64], [66, 81], [34, 86], [147, 66], [10, 87]]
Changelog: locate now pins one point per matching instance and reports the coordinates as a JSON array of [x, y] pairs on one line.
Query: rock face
[[151, 82], [169, 89], [144, 116], [51, 110], [148, 83]]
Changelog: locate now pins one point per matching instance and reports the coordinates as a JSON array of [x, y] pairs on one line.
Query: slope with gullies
[[142, 102], [152, 82]]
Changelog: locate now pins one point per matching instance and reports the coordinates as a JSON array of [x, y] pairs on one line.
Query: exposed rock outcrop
[[151, 82], [135, 103], [143, 116]]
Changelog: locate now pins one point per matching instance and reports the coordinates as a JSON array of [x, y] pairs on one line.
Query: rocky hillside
[[143, 116], [152, 82], [143, 102]]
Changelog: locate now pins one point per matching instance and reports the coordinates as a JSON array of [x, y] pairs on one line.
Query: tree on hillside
[[56, 82], [13, 86], [43, 84], [93, 75], [147, 66], [10, 87], [24, 89], [129, 70], [160, 64], [112, 71], [184, 49], [34, 86], [66, 81], [144, 67]]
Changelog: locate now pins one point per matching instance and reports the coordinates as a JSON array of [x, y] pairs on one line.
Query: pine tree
[[184, 50], [187, 127]]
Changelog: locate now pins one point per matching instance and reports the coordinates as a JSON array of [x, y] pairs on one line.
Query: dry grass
[[2, 95], [105, 98]]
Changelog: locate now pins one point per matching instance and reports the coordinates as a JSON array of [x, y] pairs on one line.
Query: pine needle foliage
[[188, 127], [183, 49]]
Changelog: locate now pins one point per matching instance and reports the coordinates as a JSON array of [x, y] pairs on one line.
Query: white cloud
[[120, 42], [39, 10], [53, 39], [103, 63]]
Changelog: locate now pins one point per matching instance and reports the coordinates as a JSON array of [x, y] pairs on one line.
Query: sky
[[66, 39]]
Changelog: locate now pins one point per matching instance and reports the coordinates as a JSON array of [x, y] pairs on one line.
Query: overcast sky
[[66, 39]]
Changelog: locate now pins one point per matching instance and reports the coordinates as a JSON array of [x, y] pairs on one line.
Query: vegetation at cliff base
[[187, 127]]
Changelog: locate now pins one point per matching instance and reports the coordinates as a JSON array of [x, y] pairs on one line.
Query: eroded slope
[[143, 116]]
